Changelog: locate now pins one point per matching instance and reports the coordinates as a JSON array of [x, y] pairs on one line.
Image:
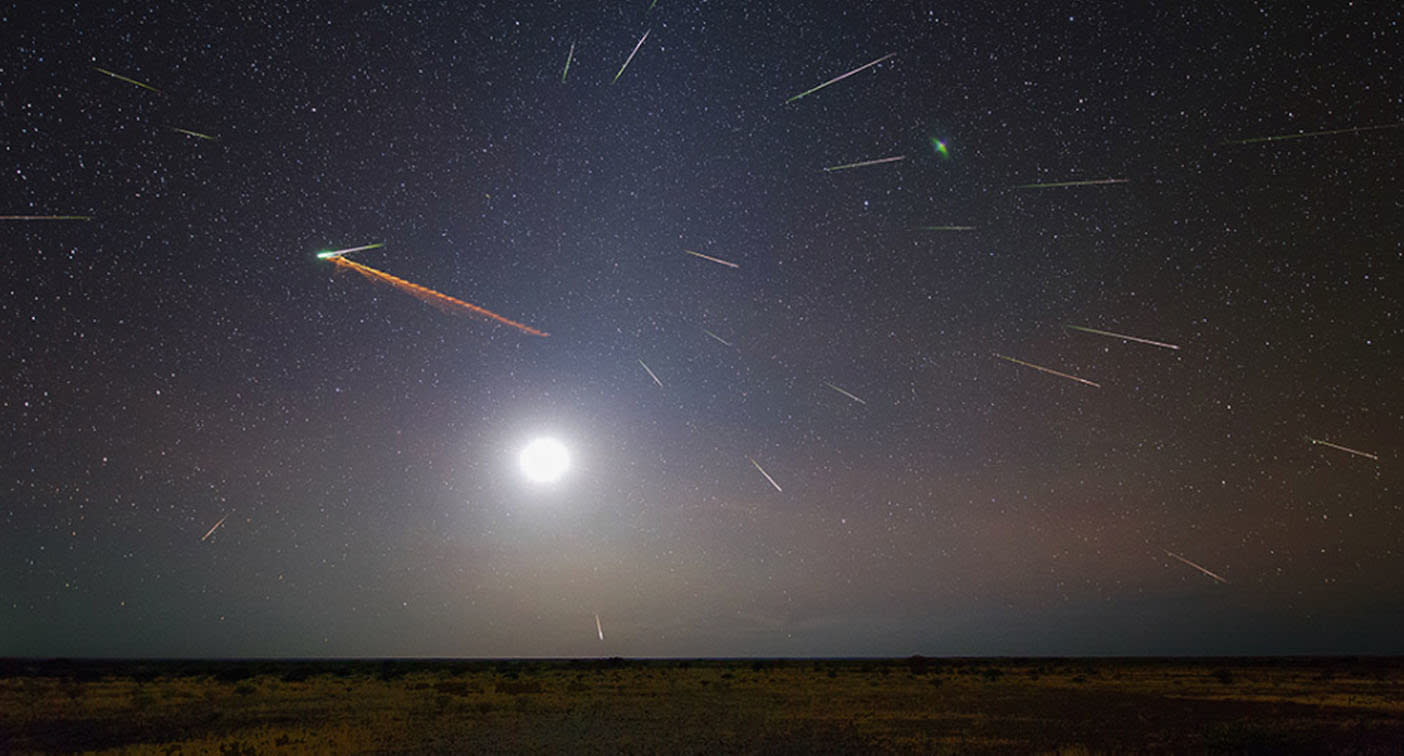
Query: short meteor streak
[[1160, 344], [215, 527], [631, 56], [422, 293], [709, 258], [836, 79], [864, 163], [767, 475], [1050, 371], [1090, 182], [651, 375], [1347, 449], [569, 57], [718, 338], [339, 252], [120, 77], [598, 627], [1330, 132], [45, 217], [195, 134], [946, 228], [845, 393], [1197, 567]]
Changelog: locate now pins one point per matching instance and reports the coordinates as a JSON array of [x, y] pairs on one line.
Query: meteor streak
[[712, 259], [120, 77], [598, 627], [718, 338], [213, 528], [845, 393], [879, 161], [195, 134], [631, 56], [767, 475], [946, 228], [1122, 336], [44, 217], [651, 375], [424, 294], [1331, 132], [1049, 371], [1197, 567], [1090, 182], [327, 255], [1356, 452], [569, 56], [808, 92]]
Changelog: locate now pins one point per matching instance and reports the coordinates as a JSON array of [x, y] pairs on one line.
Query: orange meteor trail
[[213, 528], [429, 296], [1050, 371], [1197, 567], [709, 258]]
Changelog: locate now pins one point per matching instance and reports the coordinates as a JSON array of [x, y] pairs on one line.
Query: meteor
[[716, 260], [213, 528], [767, 475], [879, 161], [836, 79], [631, 56], [946, 228], [329, 254], [598, 627], [718, 338], [1090, 182], [120, 77], [1049, 371], [1197, 567], [1331, 132], [845, 393], [651, 375], [1161, 344], [1347, 449], [44, 217], [195, 134], [569, 56]]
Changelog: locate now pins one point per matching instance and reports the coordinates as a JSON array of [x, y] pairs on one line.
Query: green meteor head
[[941, 149], [325, 254]]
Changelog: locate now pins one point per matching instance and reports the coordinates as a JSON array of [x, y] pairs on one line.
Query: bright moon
[[544, 460]]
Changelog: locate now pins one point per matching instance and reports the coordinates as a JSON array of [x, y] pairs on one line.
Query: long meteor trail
[[631, 56], [1160, 344], [195, 134], [1197, 567], [1050, 371], [845, 393], [1329, 132], [422, 293], [718, 338], [120, 77], [598, 627], [569, 57], [836, 79], [767, 475], [651, 375], [1347, 449], [1089, 182], [213, 528], [864, 163], [329, 254], [45, 217], [709, 258]]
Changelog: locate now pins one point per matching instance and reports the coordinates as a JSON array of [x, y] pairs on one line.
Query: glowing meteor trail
[[718, 338], [195, 134], [569, 56], [44, 217], [651, 375], [120, 77], [213, 528], [631, 56], [767, 476], [845, 393], [1197, 567], [1050, 371], [424, 294], [598, 627], [946, 228], [1347, 449], [1160, 344], [327, 255], [1090, 182], [1330, 132], [716, 260], [879, 161], [836, 79]]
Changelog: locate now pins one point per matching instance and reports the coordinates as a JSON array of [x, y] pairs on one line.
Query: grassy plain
[[1064, 706]]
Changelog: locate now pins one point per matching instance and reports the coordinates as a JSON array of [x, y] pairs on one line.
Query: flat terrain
[[1070, 706]]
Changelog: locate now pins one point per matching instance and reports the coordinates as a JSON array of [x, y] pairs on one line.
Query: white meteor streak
[[718, 338], [767, 475], [598, 627], [1197, 567], [1136, 339], [716, 260], [1347, 449], [631, 56], [1049, 371], [845, 393], [339, 252], [213, 528], [651, 375]]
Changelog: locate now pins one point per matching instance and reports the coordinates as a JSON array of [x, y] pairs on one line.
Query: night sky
[[184, 356]]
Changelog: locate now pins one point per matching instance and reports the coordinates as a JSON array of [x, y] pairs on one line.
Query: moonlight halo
[[544, 460]]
